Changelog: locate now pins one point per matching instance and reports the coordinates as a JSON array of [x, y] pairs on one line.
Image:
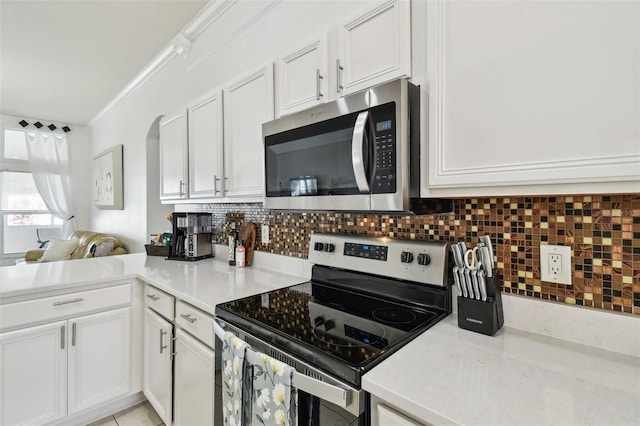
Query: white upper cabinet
[[206, 146], [174, 156], [302, 77], [527, 97], [374, 47], [248, 103]]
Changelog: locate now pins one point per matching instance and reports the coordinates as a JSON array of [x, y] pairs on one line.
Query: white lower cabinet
[[383, 415], [157, 375], [99, 358], [55, 370], [194, 381], [34, 375], [178, 373]]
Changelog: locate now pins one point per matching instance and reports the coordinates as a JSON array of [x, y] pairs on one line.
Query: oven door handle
[[325, 391], [357, 152]]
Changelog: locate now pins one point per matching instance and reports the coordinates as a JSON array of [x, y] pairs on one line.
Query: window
[[22, 210]]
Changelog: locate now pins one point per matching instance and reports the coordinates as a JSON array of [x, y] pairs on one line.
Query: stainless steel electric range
[[367, 297]]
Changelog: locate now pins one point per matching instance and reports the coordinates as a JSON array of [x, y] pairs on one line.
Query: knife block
[[483, 317]]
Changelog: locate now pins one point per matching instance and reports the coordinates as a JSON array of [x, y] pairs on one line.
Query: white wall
[[287, 25]]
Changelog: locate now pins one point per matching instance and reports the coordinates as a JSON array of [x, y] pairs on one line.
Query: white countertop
[[446, 375], [202, 283], [451, 376]]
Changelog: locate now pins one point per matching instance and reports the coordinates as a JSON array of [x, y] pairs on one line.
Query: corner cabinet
[[547, 101], [174, 156], [158, 358], [206, 147], [302, 77], [248, 103], [374, 47]]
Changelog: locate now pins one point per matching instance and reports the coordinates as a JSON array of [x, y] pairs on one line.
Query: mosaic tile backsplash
[[603, 231]]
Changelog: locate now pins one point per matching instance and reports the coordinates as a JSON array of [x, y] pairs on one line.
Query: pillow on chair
[[102, 249], [59, 250]]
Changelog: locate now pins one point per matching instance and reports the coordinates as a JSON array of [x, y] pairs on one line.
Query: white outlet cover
[[565, 255], [265, 234]]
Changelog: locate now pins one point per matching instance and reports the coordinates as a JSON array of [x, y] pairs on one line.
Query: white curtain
[[49, 160]]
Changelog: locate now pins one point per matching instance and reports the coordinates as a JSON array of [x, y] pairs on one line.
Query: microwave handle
[[357, 154]]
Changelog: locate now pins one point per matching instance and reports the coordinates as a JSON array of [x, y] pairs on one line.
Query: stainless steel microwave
[[358, 153]]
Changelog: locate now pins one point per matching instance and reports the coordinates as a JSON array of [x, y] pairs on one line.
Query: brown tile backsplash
[[603, 231]]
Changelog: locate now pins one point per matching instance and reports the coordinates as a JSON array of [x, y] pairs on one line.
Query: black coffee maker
[[191, 239]]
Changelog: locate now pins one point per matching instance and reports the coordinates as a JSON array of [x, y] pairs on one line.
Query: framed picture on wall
[[108, 182]]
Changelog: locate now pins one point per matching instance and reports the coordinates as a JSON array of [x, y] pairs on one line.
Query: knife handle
[[456, 278], [482, 283]]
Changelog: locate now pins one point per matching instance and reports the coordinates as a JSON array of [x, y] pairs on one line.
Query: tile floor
[[138, 415]]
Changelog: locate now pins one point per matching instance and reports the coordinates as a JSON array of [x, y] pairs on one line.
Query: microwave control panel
[[384, 178]]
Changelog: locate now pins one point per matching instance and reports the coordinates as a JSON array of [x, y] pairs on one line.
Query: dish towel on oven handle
[[274, 399], [233, 366]]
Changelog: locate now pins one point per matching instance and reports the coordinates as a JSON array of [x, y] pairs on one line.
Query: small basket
[[156, 250]]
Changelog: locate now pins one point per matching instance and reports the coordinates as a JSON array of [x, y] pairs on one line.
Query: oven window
[[313, 160]]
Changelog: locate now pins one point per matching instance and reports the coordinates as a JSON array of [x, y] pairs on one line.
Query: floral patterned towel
[[274, 399], [233, 354]]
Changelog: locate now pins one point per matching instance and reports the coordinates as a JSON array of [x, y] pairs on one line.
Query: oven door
[[322, 399]]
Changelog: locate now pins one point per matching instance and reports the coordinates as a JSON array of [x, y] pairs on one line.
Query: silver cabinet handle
[[73, 334], [216, 179], [66, 302], [357, 154], [339, 76], [181, 190], [318, 79], [188, 318], [63, 336], [162, 346], [153, 297]]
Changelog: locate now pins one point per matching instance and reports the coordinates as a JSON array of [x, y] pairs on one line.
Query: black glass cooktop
[[340, 324]]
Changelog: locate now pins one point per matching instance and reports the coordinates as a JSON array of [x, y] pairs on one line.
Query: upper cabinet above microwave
[[302, 76], [365, 50], [374, 47]]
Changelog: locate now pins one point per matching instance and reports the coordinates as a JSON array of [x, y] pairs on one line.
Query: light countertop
[[202, 283], [451, 376], [446, 376]]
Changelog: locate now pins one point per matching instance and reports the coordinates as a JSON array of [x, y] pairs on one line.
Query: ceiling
[[63, 61]]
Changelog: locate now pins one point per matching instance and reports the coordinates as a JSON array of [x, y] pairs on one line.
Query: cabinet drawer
[[64, 306], [159, 301], [195, 322]]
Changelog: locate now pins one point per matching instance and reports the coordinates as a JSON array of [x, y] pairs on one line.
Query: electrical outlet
[[265, 234], [555, 264]]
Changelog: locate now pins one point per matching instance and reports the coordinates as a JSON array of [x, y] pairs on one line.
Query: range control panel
[[367, 251], [415, 260]]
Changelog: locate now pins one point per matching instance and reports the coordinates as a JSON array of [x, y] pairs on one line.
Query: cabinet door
[[194, 381], [247, 104], [374, 47], [387, 416], [173, 156], [205, 147], [302, 77], [33, 375], [157, 372], [549, 96], [99, 358]]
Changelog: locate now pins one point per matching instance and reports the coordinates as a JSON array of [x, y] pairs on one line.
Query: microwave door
[[359, 144]]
